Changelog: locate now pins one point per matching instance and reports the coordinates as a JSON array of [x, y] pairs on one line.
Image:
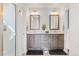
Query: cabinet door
[[54, 42], [37, 42], [34, 42], [31, 42], [45, 42], [60, 39]]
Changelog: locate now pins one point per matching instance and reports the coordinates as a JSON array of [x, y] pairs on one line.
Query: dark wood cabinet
[[38, 41], [54, 42], [57, 41], [60, 41], [45, 41], [33, 42]]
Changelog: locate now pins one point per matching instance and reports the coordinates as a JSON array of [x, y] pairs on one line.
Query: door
[[1, 28], [9, 30]]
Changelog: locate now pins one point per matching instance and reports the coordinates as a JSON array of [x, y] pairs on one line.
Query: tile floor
[[45, 52]]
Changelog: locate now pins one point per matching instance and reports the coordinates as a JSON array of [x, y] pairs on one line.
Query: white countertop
[[44, 32]]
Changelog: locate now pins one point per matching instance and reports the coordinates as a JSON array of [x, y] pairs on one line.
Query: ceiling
[[43, 5]]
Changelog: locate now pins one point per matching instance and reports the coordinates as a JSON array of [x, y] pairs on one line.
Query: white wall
[[20, 31], [74, 30]]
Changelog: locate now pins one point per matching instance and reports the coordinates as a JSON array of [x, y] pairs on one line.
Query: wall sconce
[[20, 11], [34, 12], [54, 12]]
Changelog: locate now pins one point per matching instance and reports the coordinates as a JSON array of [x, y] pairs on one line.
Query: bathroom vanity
[[45, 41], [45, 29]]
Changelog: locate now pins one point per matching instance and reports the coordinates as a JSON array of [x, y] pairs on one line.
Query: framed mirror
[[34, 22], [54, 22]]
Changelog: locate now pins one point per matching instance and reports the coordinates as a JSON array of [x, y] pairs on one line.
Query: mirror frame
[[54, 19], [31, 22]]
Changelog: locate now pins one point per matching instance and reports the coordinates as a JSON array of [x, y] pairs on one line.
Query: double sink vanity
[[45, 41], [45, 29]]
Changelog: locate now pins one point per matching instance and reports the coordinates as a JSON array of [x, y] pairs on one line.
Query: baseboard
[[67, 51]]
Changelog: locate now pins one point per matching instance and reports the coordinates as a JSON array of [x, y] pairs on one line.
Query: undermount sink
[[47, 32]]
